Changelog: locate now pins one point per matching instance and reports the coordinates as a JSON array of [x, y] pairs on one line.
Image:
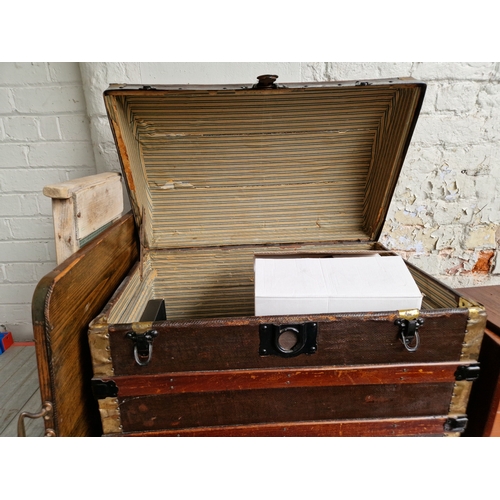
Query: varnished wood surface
[[180, 383], [64, 303], [19, 391], [233, 343], [294, 404], [344, 428]]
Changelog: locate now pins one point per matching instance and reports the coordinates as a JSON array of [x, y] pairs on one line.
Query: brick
[[51, 251], [448, 236], [21, 128], [489, 98], [16, 294], [430, 97], [44, 204], [27, 272], [75, 128], [453, 71], [41, 269], [204, 72], [5, 232], [64, 72], [23, 73], [447, 129], [18, 205], [29, 180], [24, 251], [60, 154], [6, 102], [13, 156], [100, 126], [19, 273], [473, 160], [107, 158], [458, 97], [334, 71], [96, 78], [15, 313], [49, 128], [46, 100], [30, 228]]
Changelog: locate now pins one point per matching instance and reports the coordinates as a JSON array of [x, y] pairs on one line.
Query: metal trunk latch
[[408, 331], [456, 424], [287, 340], [143, 346]]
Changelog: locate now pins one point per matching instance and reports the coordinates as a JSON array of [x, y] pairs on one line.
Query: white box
[[317, 285]]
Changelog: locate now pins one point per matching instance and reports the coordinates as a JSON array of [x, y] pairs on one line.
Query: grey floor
[[19, 391]]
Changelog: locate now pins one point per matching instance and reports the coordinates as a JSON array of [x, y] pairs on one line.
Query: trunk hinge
[[102, 389], [456, 424], [468, 372]]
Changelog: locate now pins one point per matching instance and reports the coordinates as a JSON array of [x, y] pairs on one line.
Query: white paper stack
[[333, 285]]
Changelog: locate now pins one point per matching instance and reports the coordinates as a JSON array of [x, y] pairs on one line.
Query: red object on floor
[[5, 341]]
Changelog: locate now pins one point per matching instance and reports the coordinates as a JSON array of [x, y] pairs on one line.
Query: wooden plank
[[97, 205], [343, 339], [82, 206], [64, 303], [14, 397], [344, 428], [33, 427], [228, 380], [297, 404], [65, 190], [13, 362]]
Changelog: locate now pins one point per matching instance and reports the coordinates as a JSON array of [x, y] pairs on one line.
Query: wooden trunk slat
[[181, 383], [64, 303], [342, 340], [277, 405], [341, 428]]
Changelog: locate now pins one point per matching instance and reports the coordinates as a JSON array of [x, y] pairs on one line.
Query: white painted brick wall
[[445, 214], [44, 138]]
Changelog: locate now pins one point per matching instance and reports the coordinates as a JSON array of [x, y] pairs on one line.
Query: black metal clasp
[[287, 340], [104, 389], [456, 424], [408, 331], [468, 372], [143, 346]]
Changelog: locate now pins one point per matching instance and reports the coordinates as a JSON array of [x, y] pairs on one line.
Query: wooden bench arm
[[82, 208]]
